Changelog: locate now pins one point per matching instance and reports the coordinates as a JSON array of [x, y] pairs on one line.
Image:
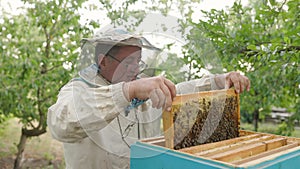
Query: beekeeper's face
[[123, 63]]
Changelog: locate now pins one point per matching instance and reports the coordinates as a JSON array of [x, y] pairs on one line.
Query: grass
[[9, 137], [268, 128], [40, 152], [296, 133]]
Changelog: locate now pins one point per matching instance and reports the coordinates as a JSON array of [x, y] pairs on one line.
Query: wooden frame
[[243, 150], [250, 149], [182, 100]]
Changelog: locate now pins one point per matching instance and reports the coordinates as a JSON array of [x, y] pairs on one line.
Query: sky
[[205, 5], [12, 5]]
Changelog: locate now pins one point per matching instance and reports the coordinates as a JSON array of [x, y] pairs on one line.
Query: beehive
[[245, 149], [249, 150], [201, 118], [225, 147]]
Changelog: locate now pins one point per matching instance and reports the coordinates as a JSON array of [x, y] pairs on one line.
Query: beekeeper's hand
[[159, 90], [233, 79]]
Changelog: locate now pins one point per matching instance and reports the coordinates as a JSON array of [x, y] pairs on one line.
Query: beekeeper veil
[[104, 41]]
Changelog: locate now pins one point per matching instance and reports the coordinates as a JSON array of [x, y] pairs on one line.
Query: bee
[[205, 120]]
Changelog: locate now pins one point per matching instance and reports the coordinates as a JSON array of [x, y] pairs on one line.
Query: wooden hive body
[[249, 150], [201, 118], [222, 149]]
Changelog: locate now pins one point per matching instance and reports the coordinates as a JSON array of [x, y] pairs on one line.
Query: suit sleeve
[[203, 84], [81, 109]]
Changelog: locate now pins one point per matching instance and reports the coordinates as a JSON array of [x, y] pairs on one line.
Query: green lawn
[[269, 128]]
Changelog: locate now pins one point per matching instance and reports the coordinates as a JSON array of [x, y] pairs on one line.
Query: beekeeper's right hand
[[159, 90]]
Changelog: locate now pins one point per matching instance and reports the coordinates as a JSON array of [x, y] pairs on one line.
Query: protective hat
[[120, 37], [110, 38]]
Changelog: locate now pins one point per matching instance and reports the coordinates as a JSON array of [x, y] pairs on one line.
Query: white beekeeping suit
[[89, 116]]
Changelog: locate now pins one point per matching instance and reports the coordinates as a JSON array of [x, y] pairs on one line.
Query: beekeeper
[[108, 107]]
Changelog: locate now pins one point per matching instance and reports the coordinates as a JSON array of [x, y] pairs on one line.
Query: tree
[[260, 40], [38, 50]]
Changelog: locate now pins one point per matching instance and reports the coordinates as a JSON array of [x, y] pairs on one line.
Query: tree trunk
[[21, 147], [255, 119]]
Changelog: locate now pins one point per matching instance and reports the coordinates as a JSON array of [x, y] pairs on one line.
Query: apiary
[[190, 142]]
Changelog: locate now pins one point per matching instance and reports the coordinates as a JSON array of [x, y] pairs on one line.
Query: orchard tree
[[39, 48], [38, 51], [261, 40]]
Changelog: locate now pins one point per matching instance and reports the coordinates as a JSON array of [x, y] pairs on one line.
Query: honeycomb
[[208, 118]]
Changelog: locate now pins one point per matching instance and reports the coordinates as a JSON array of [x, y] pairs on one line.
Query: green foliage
[[284, 129], [38, 52], [261, 40], [39, 48]]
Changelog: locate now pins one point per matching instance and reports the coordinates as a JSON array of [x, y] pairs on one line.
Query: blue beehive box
[[244, 150], [250, 150]]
